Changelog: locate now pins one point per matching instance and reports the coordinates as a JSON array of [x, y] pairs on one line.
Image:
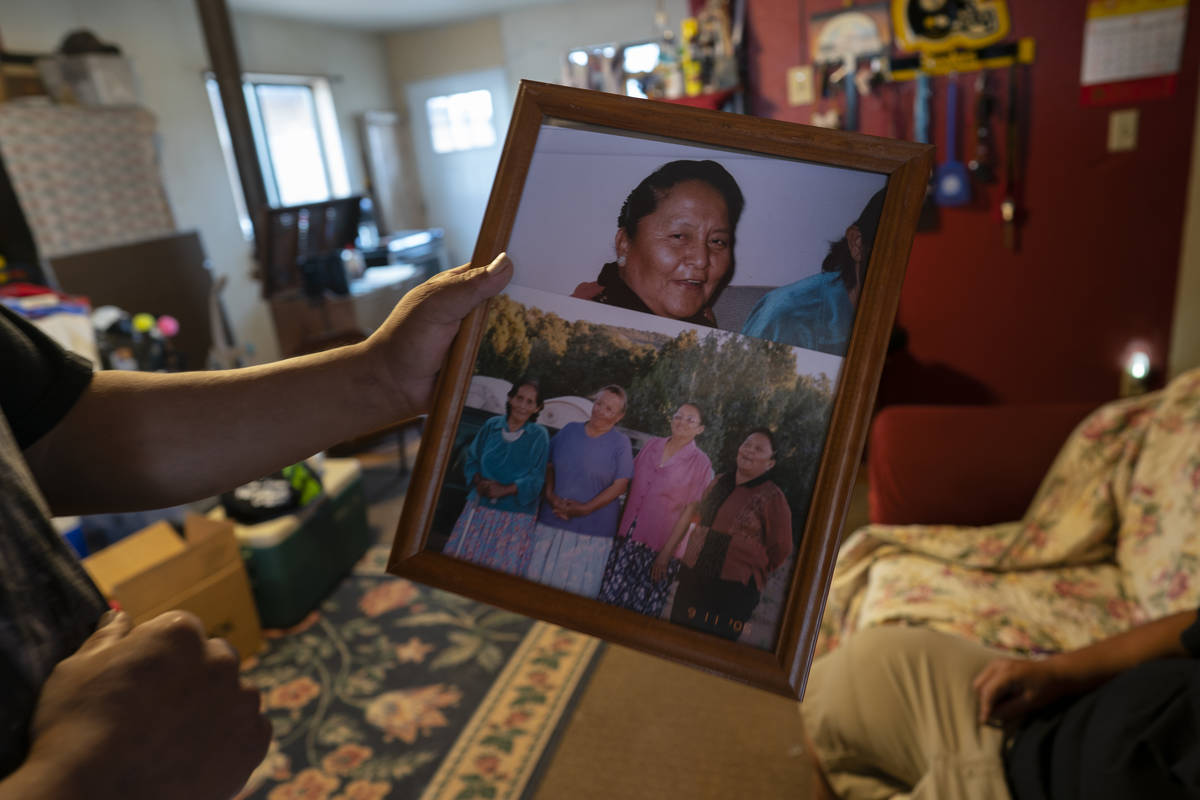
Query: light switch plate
[[1122, 130], [800, 85]]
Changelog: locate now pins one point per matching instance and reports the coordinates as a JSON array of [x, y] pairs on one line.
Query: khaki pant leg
[[892, 713]]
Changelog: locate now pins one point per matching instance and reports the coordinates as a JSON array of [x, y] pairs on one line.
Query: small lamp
[[1135, 376]]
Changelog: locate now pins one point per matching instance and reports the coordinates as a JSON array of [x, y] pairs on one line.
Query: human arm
[[575, 508], [473, 456], [148, 712], [527, 480], [777, 533], [528, 484], [473, 460], [621, 453], [687, 517], [557, 504], [146, 440], [1010, 688]]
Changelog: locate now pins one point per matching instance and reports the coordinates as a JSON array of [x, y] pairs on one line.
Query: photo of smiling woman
[[674, 243], [741, 531], [590, 467], [505, 466]]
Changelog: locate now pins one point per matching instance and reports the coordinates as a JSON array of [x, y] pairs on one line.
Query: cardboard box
[[153, 571]]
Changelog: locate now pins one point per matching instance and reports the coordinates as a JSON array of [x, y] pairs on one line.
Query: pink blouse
[[659, 492]]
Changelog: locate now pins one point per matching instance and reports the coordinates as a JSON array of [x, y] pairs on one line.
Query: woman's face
[[686, 423], [607, 410], [522, 405], [682, 250], [755, 456]]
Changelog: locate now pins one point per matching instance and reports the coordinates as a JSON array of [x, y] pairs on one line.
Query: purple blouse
[[659, 491], [584, 466]]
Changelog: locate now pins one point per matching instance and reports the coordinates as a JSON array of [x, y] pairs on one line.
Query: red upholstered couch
[[963, 465], [962, 545]]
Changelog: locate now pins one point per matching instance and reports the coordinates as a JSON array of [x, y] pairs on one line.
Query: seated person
[[918, 713], [817, 313]]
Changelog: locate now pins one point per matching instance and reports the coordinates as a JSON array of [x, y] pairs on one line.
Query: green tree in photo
[[739, 383], [596, 355], [548, 330], [504, 352]]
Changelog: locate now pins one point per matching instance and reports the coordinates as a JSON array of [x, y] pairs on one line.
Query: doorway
[[458, 128]]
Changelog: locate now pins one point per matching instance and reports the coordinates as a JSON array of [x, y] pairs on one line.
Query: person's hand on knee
[[1010, 688]]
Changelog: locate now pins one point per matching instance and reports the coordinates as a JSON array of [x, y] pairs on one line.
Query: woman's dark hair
[[645, 196], [839, 259], [516, 387]]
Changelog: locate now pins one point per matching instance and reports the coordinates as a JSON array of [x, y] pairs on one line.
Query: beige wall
[[432, 52], [525, 42], [528, 42], [163, 40], [1185, 332]]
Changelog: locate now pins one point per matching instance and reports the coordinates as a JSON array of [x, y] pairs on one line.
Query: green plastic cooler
[[295, 561]]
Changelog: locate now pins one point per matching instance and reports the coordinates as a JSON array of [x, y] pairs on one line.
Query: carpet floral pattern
[[368, 693], [371, 692]]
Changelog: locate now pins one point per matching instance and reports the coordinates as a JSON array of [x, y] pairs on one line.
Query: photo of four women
[[550, 510]]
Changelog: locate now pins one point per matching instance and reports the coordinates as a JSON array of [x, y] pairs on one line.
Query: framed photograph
[[651, 436]]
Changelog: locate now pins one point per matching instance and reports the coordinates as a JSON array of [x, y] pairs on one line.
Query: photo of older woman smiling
[[674, 243]]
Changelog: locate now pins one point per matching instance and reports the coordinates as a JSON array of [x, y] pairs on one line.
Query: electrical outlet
[[800, 85], [1122, 130]]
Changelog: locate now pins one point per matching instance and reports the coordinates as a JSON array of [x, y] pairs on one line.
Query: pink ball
[[167, 325]]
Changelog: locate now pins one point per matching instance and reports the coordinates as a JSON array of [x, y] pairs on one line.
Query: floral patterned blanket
[[1111, 539]]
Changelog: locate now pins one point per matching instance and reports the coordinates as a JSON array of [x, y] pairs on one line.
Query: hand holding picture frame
[[651, 436]]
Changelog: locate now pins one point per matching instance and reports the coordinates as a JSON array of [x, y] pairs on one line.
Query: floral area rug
[[392, 689]]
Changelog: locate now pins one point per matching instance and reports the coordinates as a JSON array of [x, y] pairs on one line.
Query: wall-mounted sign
[[935, 26], [859, 31]]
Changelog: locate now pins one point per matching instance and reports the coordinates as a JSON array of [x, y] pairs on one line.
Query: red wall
[[1100, 248]]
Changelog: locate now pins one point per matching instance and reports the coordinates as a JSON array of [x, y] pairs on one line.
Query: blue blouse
[[814, 313], [522, 462]]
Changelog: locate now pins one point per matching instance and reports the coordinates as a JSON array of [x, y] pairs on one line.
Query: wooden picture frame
[[797, 176]]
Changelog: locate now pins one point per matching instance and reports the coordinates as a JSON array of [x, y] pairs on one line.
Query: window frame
[[450, 132], [325, 125]]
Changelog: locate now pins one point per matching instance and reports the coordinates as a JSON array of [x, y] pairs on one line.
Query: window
[[461, 121], [296, 136]]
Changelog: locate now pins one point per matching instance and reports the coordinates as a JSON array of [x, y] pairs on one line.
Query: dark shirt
[[609, 288], [48, 605], [1138, 735]]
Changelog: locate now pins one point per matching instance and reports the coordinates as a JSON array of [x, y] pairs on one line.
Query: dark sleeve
[[39, 381], [1191, 638], [779, 528]]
